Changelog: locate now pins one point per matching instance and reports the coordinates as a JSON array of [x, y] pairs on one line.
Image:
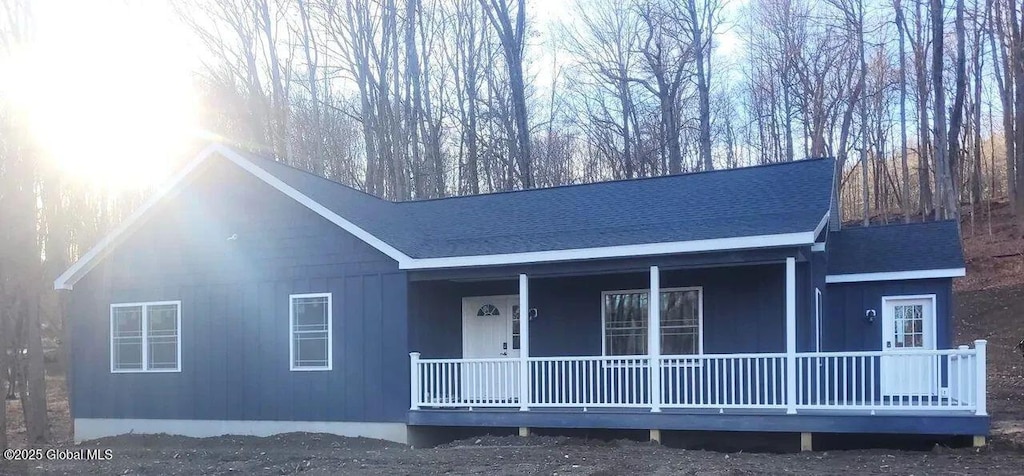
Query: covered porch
[[773, 376]]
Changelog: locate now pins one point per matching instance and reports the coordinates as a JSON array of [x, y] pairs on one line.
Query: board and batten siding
[[847, 328], [234, 295], [744, 309]]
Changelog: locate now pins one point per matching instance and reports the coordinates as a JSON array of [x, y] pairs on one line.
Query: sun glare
[[105, 89]]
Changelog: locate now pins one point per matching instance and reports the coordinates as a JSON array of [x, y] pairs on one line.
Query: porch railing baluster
[[913, 380]]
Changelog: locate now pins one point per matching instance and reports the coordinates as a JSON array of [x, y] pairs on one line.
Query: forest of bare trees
[[917, 100], [425, 98]]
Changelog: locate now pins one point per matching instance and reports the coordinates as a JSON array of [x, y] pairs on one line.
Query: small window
[[310, 322], [145, 337], [625, 322], [516, 335], [488, 310]]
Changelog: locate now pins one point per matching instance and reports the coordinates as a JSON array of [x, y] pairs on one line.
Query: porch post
[[790, 335], [981, 406], [414, 380], [524, 342], [654, 339]]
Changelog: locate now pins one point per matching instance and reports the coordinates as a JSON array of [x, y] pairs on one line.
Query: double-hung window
[[145, 337], [310, 337], [625, 321]]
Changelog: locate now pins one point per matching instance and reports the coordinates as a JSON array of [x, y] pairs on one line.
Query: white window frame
[[291, 332], [700, 317], [819, 302], [145, 337]]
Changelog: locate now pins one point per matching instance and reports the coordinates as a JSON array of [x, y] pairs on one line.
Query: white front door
[[908, 324], [490, 330]]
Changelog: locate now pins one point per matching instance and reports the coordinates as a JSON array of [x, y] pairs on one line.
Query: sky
[[106, 85]]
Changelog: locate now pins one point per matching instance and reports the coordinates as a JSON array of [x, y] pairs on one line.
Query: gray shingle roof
[[893, 248], [765, 200]]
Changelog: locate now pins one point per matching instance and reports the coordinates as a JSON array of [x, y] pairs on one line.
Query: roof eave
[[896, 275], [623, 251]]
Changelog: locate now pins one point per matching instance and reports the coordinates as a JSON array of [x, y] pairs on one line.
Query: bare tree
[[703, 21], [512, 31], [901, 25], [956, 114], [1003, 70]]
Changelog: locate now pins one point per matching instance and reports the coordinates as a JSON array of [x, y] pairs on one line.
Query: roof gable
[[92, 257], [755, 207]]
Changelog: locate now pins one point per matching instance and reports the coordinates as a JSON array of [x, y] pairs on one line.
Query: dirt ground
[[321, 454], [989, 305]]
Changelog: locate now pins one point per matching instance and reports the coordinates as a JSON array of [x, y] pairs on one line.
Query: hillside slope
[[990, 305]]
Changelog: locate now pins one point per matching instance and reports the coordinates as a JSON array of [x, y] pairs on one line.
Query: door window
[[908, 322], [515, 327]]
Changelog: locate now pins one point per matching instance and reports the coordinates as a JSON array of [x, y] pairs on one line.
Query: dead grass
[[994, 253], [56, 408]]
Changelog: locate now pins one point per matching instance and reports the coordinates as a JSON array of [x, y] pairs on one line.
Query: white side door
[[490, 331], [908, 324]]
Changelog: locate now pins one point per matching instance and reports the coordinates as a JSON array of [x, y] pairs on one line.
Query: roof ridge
[[894, 225], [634, 179], [500, 192]]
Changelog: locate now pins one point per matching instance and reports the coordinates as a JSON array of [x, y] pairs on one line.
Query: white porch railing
[[895, 380], [912, 380], [724, 381], [589, 382]]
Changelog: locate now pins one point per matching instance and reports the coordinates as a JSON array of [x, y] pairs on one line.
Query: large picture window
[[145, 337], [310, 323], [625, 321]]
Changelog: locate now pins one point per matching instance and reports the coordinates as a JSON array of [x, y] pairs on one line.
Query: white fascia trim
[[822, 224], [286, 189], [760, 241], [93, 428], [89, 260], [896, 276], [818, 247]]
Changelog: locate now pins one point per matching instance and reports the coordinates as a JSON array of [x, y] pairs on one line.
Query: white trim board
[[823, 223], [89, 260], [93, 428], [144, 306], [624, 251], [896, 276], [291, 333]]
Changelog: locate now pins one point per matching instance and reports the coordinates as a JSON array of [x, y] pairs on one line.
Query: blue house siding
[[234, 312], [744, 309], [816, 270], [846, 328]]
